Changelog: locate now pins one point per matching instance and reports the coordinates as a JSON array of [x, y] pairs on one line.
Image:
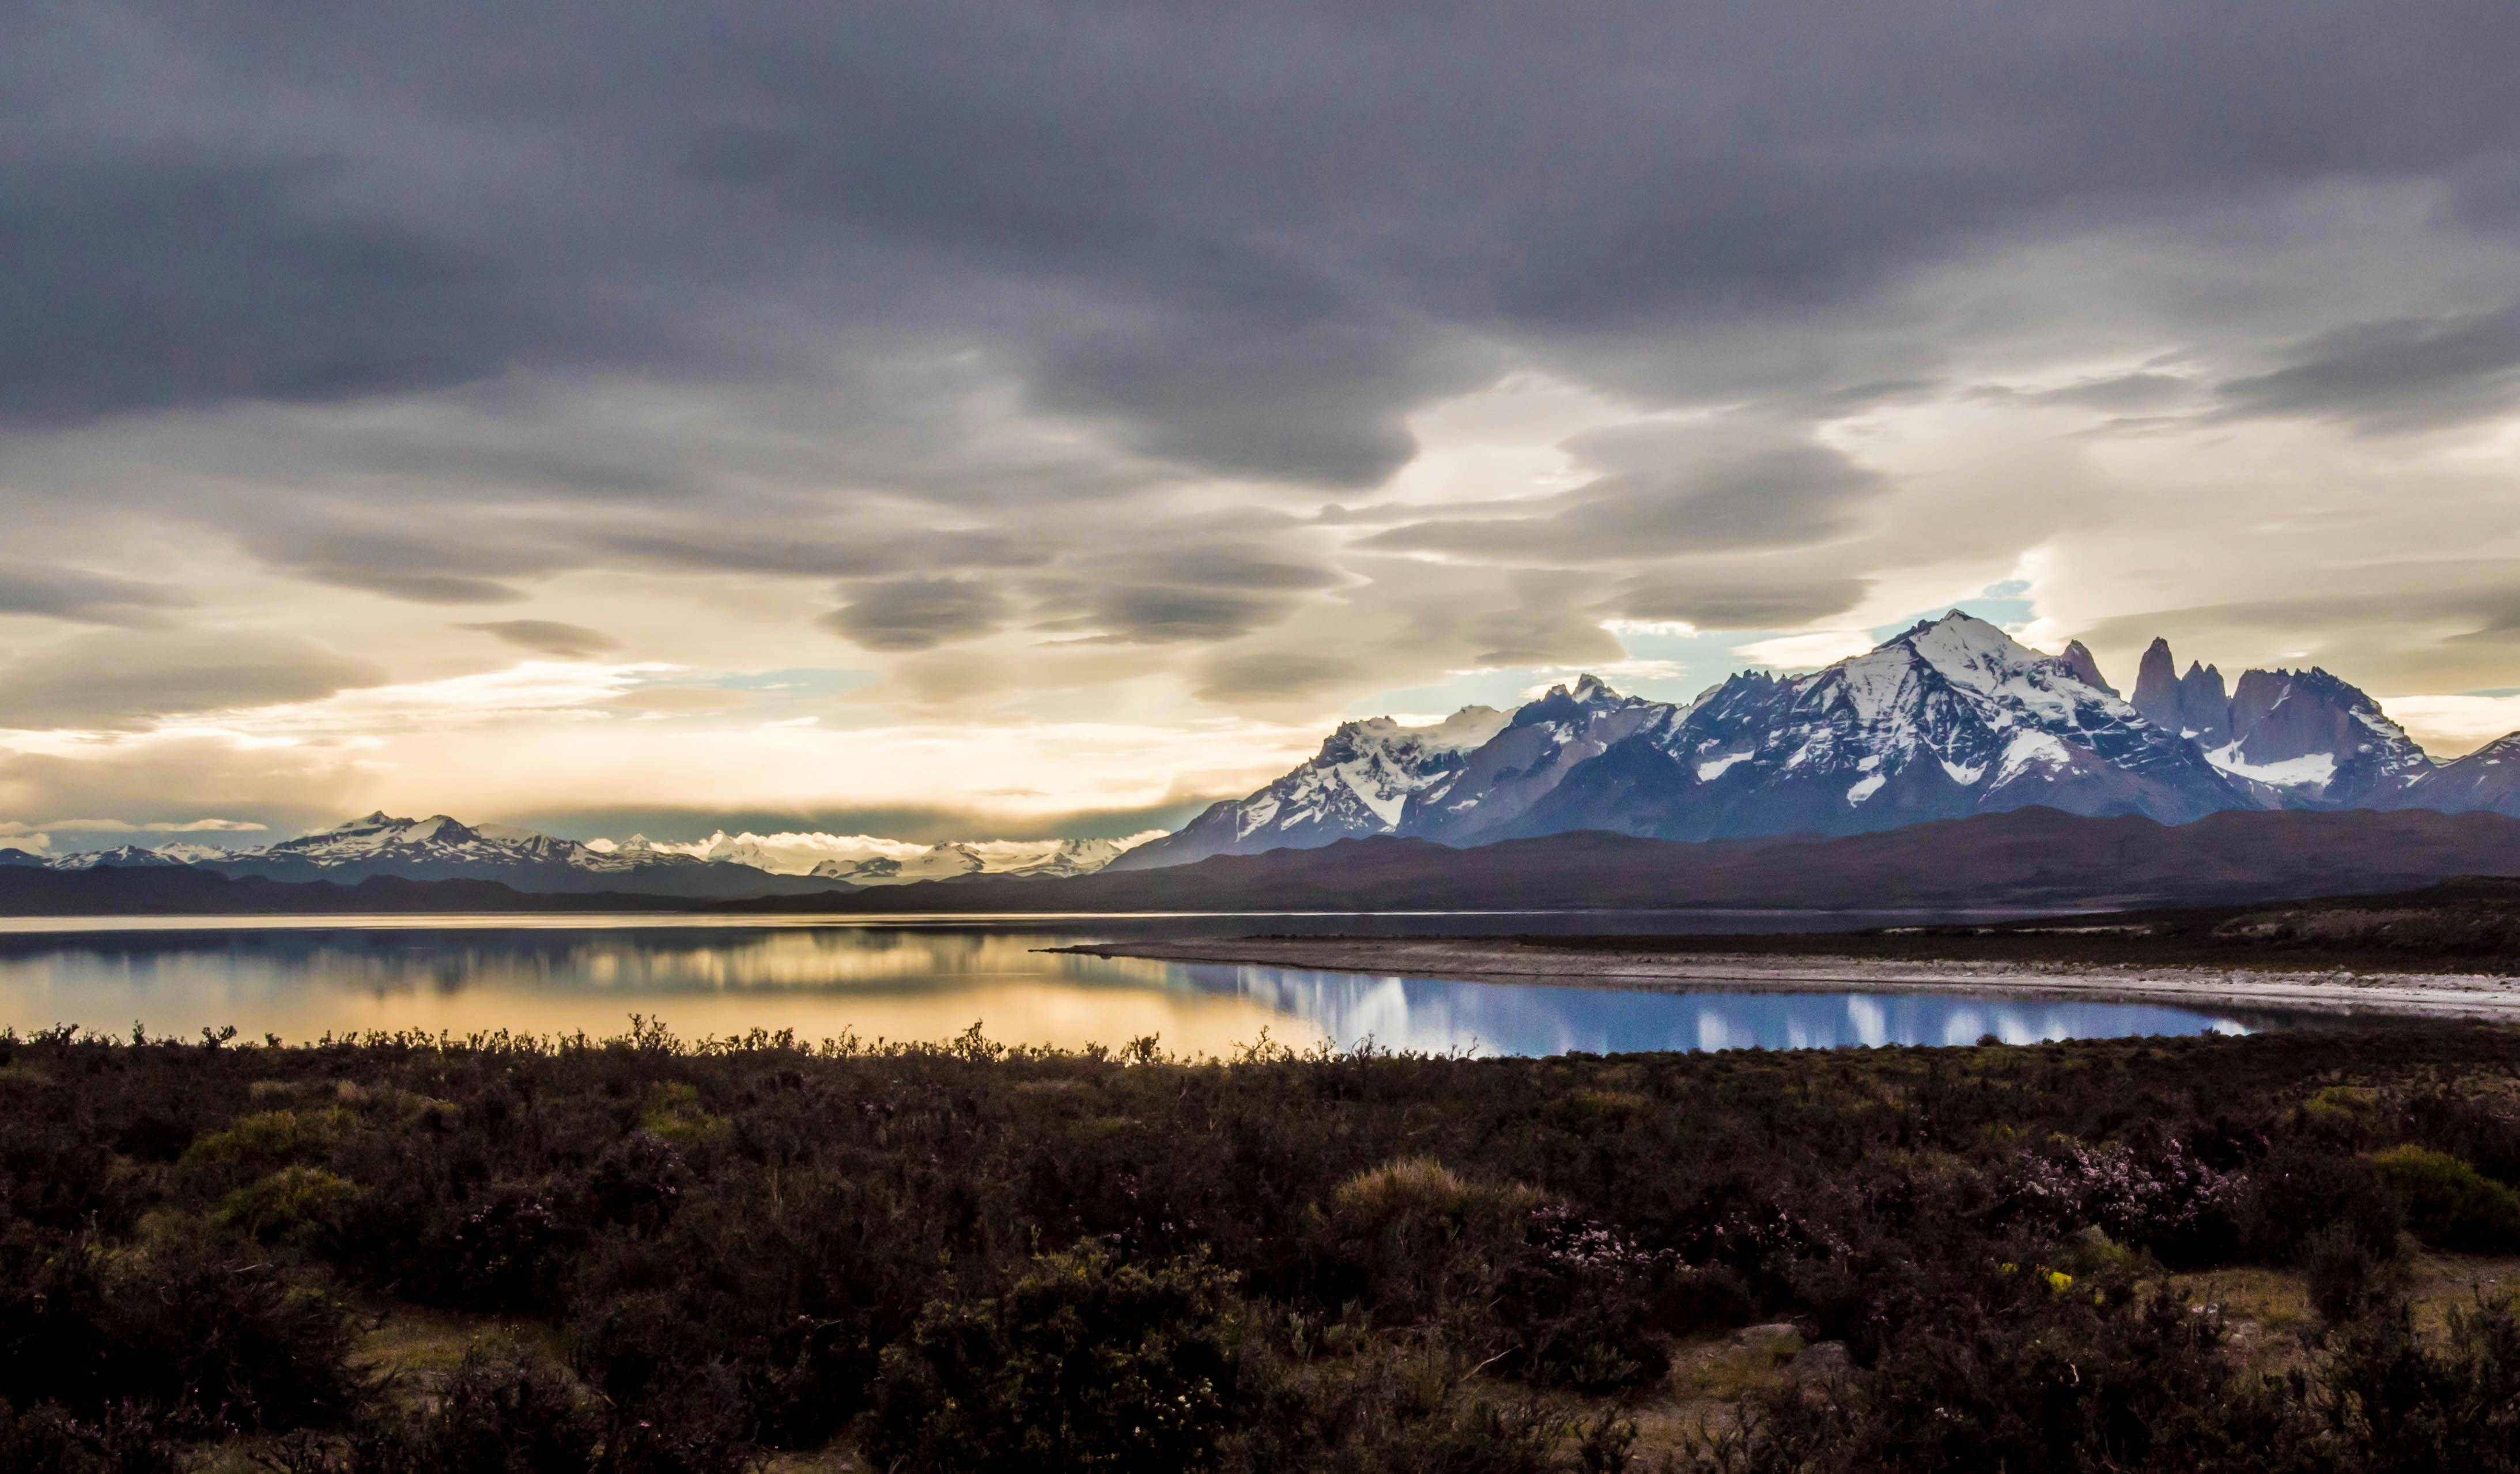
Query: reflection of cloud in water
[[1499, 1018], [634, 961], [876, 983], [931, 984]]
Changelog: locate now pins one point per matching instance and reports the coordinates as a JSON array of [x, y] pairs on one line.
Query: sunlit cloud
[[1818, 647]]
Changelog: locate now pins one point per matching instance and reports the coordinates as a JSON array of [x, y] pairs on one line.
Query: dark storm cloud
[[1163, 595], [65, 593], [1124, 615], [1679, 496], [134, 283], [1270, 676], [1249, 239], [1317, 396], [420, 566], [875, 552], [1740, 594], [548, 638], [126, 678], [2122, 394], [2401, 374], [917, 614], [2414, 622]]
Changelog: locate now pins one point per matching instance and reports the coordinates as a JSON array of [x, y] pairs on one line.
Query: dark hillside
[[2469, 924]]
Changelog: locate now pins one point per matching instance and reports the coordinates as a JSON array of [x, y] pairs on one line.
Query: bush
[[47, 1440], [1082, 1365], [2029, 1377], [220, 1342], [2397, 1406], [188, 1332], [1585, 1305], [300, 1206], [690, 1421], [2296, 1192], [506, 1251], [2344, 1275], [2449, 1204], [1419, 1240], [495, 1414], [266, 1137]]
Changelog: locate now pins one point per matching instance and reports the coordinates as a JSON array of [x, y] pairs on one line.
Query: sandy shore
[[1481, 960]]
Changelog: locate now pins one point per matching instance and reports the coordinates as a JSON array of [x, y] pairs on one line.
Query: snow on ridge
[[807, 852], [1714, 768], [2310, 770], [2030, 750], [1464, 729]]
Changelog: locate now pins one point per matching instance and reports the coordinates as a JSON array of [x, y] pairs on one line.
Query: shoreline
[[1500, 960]]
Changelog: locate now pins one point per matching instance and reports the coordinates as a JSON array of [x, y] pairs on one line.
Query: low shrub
[[495, 1414], [299, 1206], [2296, 1192], [2344, 1277], [266, 1137], [2397, 1406], [47, 1440], [2449, 1204], [1418, 1241], [1083, 1363]]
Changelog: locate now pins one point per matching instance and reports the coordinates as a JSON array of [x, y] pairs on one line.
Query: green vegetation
[[402, 1255]]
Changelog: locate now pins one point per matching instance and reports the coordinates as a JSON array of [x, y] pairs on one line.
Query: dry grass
[[408, 1341], [1421, 1187], [2273, 1328]]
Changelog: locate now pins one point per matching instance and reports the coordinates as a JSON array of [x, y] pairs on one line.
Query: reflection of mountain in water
[[932, 983], [1492, 1018]]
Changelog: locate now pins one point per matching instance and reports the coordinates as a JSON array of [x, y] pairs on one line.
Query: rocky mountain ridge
[[1949, 718]]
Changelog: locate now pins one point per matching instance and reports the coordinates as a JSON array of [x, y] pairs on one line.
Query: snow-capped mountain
[[1362, 782], [441, 847], [1497, 782], [861, 859], [2487, 779], [1950, 719], [722, 866], [2303, 737], [124, 855]]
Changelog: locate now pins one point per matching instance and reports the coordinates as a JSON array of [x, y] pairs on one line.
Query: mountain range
[[440, 847], [1950, 719], [2028, 860]]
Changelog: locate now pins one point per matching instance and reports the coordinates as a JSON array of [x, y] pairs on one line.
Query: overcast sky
[[951, 419]]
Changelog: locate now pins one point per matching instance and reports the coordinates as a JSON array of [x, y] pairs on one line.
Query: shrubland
[[717, 1257]]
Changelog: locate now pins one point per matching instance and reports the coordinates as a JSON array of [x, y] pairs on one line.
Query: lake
[[911, 980]]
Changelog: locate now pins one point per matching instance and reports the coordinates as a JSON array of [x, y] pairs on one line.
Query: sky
[[950, 420]]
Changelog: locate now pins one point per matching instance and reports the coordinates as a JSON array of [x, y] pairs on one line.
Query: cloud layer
[[1202, 373]]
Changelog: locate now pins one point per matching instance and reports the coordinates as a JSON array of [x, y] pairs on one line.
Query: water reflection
[[1418, 1013], [925, 983]]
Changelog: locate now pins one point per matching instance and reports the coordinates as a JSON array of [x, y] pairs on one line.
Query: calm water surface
[[911, 980]]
